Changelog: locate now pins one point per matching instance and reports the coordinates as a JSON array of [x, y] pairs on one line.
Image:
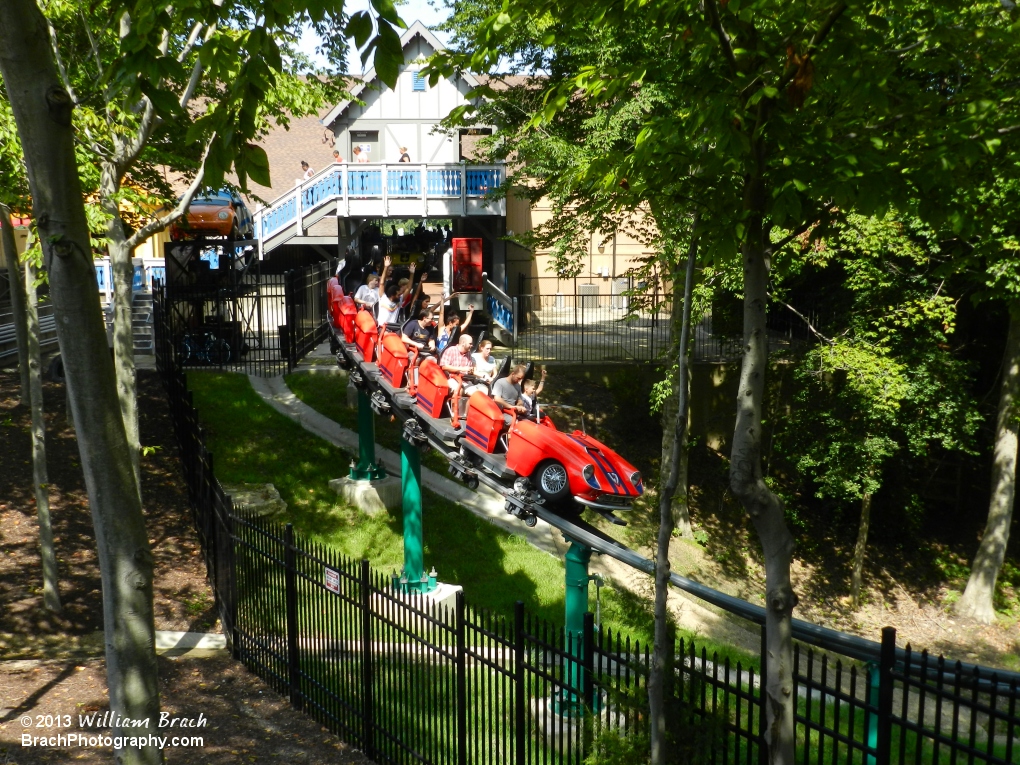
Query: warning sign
[[332, 581]]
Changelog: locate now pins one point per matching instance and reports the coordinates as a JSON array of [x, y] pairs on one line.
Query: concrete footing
[[261, 499], [444, 597], [370, 497]]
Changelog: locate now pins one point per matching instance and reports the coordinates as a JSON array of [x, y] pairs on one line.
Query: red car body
[[560, 464]]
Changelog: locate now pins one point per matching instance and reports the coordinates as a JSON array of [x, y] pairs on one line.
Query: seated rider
[[392, 299], [457, 360], [420, 332], [529, 393], [485, 365], [368, 293], [507, 391], [449, 326]]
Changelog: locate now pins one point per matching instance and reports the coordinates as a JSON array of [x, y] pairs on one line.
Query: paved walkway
[[486, 503]]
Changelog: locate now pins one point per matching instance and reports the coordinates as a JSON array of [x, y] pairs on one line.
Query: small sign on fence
[[332, 580]]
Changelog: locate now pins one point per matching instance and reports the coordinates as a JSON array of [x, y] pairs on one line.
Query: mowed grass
[[252, 443], [620, 609], [326, 393]]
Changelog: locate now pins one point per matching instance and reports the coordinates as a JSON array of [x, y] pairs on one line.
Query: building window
[[418, 83]]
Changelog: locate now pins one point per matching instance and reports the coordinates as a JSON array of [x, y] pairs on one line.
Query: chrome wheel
[[552, 480]]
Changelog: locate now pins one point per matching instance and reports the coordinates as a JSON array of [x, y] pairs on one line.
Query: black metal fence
[[408, 681], [305, 297], [235, 318], [620, 320]]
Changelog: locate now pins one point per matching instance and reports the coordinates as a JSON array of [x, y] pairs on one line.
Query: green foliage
[[188, 88], [888, 380]]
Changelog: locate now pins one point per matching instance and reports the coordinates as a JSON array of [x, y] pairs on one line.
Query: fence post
[[887, 663], [763, 726], [231, 628], [519, 684], [461, 681], [290, 314], [588, 660], [290, 575], [367, 702]]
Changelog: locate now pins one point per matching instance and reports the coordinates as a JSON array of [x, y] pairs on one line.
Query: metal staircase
[[141, 324]]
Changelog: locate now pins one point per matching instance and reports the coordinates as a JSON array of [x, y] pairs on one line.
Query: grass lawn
[[253, 443], [326, 393]]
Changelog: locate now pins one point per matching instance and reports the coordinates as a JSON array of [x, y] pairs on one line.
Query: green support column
[[413, 578], [871, 723], [577, 559], [367, 468]]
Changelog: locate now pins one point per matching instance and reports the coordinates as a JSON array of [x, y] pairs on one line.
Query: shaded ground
[[912, 576], [183, 600], [247, 721], [52, 664]]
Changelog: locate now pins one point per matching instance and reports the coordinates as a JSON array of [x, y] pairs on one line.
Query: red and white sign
[[332, 580]]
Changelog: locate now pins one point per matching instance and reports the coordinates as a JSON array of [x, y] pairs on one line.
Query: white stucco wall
[[405, 117]]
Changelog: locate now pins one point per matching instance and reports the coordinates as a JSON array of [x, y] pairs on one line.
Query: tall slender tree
[[790, 112], [40, 471], [44, 113]]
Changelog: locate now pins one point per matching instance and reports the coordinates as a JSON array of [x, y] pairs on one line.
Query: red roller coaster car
[[488, 443], [561, 465]]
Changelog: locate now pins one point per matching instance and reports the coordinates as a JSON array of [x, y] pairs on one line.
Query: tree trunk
[[123, 331], [859, 549], [42, 110], [661, 671], [10, 248], [40, 475], [747, 482], [680, 508], [978, 598]]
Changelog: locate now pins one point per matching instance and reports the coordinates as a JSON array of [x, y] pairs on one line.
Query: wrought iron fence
[[408, 681], [619, 320], [243, 320], [305, 298]]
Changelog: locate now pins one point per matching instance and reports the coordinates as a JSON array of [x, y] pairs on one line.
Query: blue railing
[[444, 183], [347, 183], [364, 183], [403, 183], [502, 308], [278, 216], [481, 181], [321, 190]]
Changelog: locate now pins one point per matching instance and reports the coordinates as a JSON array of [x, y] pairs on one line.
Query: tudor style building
[[326, 213]]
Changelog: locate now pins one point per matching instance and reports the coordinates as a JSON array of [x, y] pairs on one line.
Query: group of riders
[[401, 309]]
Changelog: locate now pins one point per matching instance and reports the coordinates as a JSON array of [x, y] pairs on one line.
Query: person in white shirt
[[367, 294], [308, 170], [360, 156], [447, 272], [392, 299], [485, 365]]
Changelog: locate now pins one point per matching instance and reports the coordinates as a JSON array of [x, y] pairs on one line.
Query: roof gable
[[417, 29]]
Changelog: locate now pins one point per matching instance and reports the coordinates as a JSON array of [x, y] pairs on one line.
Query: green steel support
[[367, 468], [413, 578], [870, 717], [577, 559]]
